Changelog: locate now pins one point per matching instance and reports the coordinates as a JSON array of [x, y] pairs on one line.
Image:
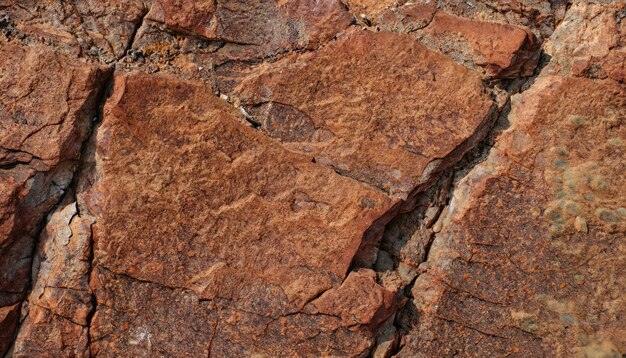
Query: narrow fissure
[[69, 191], [438, 196]]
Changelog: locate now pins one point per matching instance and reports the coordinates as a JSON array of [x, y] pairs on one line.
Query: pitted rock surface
[[47, 106], [345, 178], [346, 107]]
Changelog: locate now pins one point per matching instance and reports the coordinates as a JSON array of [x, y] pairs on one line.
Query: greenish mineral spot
[[616, 141], [572, 208], [560, 163], [606, 214], [555, 215], [568, 319], [621, 212], [576, 120], [556, 230]]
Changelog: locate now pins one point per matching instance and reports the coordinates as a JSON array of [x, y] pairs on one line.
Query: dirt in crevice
[[408, 237], [69, 196]]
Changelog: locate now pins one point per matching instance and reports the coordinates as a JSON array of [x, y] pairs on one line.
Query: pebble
[[580, 224]]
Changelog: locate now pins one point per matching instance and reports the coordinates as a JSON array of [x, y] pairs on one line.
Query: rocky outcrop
[[312, 178], [46, 109], [529, 261]]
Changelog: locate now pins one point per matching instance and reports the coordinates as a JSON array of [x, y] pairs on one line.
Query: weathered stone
[[60, 301], [510, 273], [542, 16], [260, 27], [285, 178], [346, 106], [260, 226], [504, 51], [101, 30], [590, 42], [370, 9], [46, 111]]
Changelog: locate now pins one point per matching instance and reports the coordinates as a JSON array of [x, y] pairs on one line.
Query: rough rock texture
[[312, 178], [96, 29], [530, 258], [502, 50], [328, 105], [46, 109]]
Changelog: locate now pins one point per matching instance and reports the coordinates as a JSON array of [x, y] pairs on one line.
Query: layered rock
[[293, 184], [255, 263], [47, 107], [60, 304], [346, 106], [252, 250], [530, 259]]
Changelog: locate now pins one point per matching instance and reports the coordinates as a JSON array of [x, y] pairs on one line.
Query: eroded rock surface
[[47, 106], [346, 106], [500, 50], [312, 178], [530, 259], [94, 29]]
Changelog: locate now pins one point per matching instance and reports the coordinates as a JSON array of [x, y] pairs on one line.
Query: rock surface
[[312, 178], [501, 50], [47, 106], [330, 106]]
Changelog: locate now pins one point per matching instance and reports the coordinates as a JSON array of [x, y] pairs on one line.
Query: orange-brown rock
[[590, 42], [542, 16], [370, 9], [348, 108], [60, 301], [302, 178], [530, 261], [101, 30], [502, 50], [248, 240], [47, 106], [266, 26]]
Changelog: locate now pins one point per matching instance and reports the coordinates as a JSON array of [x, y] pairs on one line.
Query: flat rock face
[[348, 108], [255, 27], [46, 109], [253, 234], [500, 50]]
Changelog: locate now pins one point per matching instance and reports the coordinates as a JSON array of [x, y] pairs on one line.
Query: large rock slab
[[390, 118], [530, 260], [46, 110], [203, 217]]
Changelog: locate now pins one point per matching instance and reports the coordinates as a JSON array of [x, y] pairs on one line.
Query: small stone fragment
[[580, 224]]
